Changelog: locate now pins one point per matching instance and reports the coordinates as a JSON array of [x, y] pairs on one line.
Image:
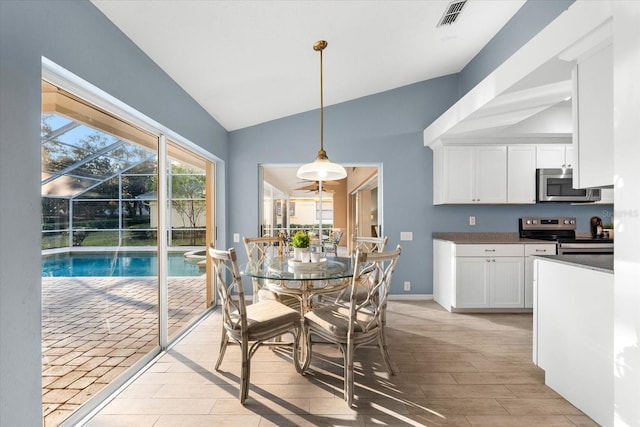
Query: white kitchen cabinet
[[472, 282], [553, 156], [486, 276], [592, 104], [521, 174], [473, 174], [530, 250], [492, 282], [507, 282]]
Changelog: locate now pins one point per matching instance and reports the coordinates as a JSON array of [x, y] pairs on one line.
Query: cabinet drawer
[[541, 249], [489, 250]]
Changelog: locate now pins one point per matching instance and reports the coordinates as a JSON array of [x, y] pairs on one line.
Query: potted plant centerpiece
[[300, 242]]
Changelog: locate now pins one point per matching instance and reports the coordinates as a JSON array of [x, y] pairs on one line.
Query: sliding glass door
[[126, 216]]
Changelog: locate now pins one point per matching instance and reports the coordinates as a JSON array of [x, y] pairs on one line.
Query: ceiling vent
[[452, 12]]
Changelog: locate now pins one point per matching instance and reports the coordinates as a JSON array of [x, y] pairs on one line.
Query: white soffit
[[528, 73]]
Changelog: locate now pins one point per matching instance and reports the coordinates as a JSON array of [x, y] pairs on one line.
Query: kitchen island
[[573, 330]]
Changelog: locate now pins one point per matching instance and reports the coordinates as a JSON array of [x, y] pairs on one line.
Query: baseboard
[[411, 297]]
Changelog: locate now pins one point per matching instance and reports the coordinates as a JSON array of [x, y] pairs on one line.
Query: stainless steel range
[[562, 230]]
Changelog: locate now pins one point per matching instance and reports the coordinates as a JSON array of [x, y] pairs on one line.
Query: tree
[[188, 193]]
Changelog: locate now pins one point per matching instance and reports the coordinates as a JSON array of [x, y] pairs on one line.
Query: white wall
[[626, 86]]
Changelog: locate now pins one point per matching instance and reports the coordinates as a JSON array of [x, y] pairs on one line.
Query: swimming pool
[[114, 264]]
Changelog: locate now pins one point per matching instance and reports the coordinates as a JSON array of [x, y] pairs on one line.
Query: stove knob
[[573, 221], [528, 222], [535, 221], [566, 221]]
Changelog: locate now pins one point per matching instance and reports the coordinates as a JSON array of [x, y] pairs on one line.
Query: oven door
[[578, 248]]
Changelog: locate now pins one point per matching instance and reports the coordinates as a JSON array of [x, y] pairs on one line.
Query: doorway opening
[[352, 205]]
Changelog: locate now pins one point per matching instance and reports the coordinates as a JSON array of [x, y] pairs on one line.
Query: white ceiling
[[248, 62]]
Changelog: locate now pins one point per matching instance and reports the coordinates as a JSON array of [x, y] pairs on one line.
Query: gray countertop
[[493, 238], [603, 263]]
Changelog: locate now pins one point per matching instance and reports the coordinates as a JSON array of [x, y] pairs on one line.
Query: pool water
[[114, 264]]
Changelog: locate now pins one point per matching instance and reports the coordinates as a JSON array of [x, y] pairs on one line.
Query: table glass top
[[285, 269]]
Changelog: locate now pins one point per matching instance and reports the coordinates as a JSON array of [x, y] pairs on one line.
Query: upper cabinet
[[555, 156], [593, 118], [521, 172], [471, 175]]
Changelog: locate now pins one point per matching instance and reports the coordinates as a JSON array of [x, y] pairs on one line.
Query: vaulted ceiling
[[248, 62]]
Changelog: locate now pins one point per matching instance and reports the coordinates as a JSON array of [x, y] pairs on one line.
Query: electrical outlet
[[235, 288], [236, 237], [407, 286], [472, 220]]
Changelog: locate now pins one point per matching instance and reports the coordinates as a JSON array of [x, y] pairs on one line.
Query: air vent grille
[[451, 13]]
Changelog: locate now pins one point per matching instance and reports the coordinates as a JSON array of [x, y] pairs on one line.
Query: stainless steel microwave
[[556, 185]]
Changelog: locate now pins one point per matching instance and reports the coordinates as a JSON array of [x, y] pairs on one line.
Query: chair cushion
[[267, 295], [335, 320], [265, 315]]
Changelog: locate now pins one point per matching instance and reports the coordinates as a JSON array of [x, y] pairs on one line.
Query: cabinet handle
[[541, 250], [489, 250]]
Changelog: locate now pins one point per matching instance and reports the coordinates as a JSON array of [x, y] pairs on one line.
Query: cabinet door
[[507, 282], [570, 157], [459, 174], [593, 119], [521, 174], [551, 156], [491, 174], [472, 282]]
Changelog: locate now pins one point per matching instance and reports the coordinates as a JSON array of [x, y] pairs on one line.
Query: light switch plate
[[236, 237], [406, 235]]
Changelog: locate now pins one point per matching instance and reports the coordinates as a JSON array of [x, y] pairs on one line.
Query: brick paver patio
[[94, 328]]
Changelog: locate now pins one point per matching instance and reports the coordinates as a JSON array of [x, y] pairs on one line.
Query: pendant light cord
[[320, 46], [321, 107]]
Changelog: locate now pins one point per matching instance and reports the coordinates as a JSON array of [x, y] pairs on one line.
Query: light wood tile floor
[[453, 369]]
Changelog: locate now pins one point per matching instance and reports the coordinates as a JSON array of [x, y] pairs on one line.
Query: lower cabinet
[[496, 282], [485, 276]]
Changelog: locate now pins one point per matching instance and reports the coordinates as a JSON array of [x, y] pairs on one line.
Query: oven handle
[[585, 251]]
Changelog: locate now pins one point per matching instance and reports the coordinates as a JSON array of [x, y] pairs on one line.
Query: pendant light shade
[[321, 169]]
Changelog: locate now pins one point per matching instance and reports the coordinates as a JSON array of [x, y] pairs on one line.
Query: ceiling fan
[[315, 186]]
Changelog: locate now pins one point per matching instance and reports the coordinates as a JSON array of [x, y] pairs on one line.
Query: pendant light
[[321, 169]]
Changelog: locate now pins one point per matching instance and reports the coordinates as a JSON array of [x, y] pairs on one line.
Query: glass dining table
[[303, 281]]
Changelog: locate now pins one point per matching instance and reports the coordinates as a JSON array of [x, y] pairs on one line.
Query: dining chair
[[368, 244], [363, 244], [251, 325], [356, 323], [331, 244], [261, 248]]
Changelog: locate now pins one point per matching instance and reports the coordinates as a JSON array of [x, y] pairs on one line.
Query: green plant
[[608, 226], [300, 240]]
